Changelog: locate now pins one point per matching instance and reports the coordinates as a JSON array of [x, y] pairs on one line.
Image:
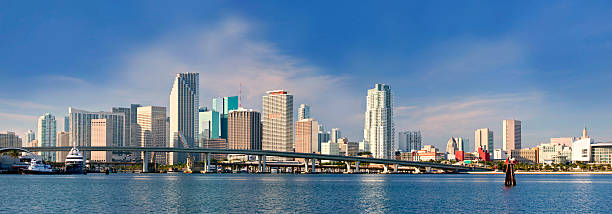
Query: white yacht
[[75, 163], [38, 167]]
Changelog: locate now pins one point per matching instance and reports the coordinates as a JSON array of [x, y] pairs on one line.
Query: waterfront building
[[218, 143], [550, 152], [80, 127], [601, 153], [30, 136], [581, 150], [348, 148], [151, 121], [306, 136], [500, 154], [184, 114], [9, 139], [378, 129], [101, 135], [210, 124], [335, 135], [278, 122], [224, 106], [244, 129], [303, 112], [127, 128], [529, 155], [134, 141], [63, 139], [483, 138], [330, 148], [33, 143], [364, 146], [427, 153], [47, 131], [454, 144], [409, 140], [66, 124], [512, 135], [566, 141]]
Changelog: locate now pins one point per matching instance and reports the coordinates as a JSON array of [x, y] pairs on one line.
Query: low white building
[[581, 150], [554, 153], [330, 148], [499, 154], [364, 146]]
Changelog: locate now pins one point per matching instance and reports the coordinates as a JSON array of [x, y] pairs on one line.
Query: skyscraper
[[303, 112], [483, 138], [101, 135], [512, 134], [454, 144], [63, 139], [151, 122], [278, 121], [47, 129], [30, 136], [127, 128], [210, 124], [184, 104], [409, 140], [378, 129], [10, 139], [134, 141], [307, 136], [335, 135], [66, 124], [244, 129], [224, 106], [80, 127]]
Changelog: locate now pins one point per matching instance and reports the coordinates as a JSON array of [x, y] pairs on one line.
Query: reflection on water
[[244, 193]]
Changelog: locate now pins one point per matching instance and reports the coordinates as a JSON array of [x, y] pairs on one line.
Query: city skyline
[[326, 73]]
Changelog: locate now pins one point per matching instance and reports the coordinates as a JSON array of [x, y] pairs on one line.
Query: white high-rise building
[[278, 122], [184, 106], [335, 135], [512, 135], [47, 130], [101, 135], [378, 130], [483, 138], [303, 112], [151, 127], [30, 136]]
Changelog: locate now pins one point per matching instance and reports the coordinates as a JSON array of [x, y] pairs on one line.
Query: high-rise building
[[303, 112], [101, 135], [278, 122], [47, 129], [30, 136], [127, 128], [409, 140], [454, 144], [134, 141], [184, 107], [63, 139], [307, 136], [80, 127], [483, 138], [324, 136], [224, 106], [210, 124], [512, 135], [378, 129], [335, 135], [244, 129], [10, 140], [151, 122], [66, 124]]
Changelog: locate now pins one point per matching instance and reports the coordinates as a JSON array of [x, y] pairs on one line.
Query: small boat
[[75, 163], [38, 167]]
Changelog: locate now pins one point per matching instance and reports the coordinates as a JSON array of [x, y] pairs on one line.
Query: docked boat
[[38, 167], [75, 163]]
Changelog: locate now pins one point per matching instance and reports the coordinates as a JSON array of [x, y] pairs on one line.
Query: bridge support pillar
[[396, 168], [262, 164], [306, 169], [385, 169], [206, 162], [357, 166], [313, 164], [348, 167], [145, 162]]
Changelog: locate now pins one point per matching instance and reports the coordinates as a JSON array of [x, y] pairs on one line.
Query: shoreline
[[543, 173]]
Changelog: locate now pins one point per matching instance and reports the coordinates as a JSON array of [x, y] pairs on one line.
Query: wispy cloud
[[24, 104]]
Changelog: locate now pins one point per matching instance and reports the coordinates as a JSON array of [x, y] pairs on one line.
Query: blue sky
[[454, 66]]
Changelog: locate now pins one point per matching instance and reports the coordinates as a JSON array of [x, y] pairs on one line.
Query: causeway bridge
[[262, 154]]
